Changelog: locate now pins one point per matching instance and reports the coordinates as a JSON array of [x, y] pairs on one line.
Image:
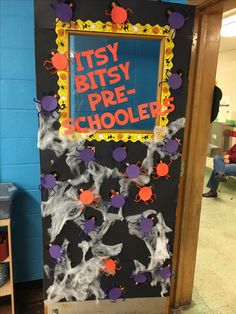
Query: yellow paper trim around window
[[163, 33]]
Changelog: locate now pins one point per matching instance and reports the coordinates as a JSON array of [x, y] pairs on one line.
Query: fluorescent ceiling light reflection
[[228, 28]]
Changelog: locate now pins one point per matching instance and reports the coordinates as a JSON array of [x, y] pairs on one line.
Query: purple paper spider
[[165, 273], [133, 171], [86, 155], [171, 146], [48, 104], [119, 154], [176, 20], [117, 199], [142, 277], [48, 182], [174, 80], [56, 253], [89, 225], [115, 293], [64, 10], [146, 225]]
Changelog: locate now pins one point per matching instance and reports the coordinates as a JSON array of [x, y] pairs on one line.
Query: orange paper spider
[[87, 197], [118, 15], [162, 170], [110, 267], [145, 194], [58, 62]]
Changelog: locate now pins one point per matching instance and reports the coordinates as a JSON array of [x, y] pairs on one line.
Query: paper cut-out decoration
[[56, 253], [165, 273], [174, 80], [58, 62], [119, 154], [171, 146], [142, 277], [86, 155], [48, 104], [63, 12], [145, 194], [162, 170], [48, 182], [110, 267], [133, 171], [176, 20], [116, 293], [146, 225], [117, 199], [119, 15], [88, 198], [89, 225]]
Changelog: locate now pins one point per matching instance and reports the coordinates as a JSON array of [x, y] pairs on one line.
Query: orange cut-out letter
[[155, 108], [142, 110], [113, 50], [113, 73], [125, 69], [106, 125], [94, 121], [94, 99], [81, 83], [120, 95], [70, 128], [88, 55], [108, 98], [77, 125], [100, 54], [77, 56]]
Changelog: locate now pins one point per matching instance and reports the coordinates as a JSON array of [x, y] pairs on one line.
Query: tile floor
[[215, 275]]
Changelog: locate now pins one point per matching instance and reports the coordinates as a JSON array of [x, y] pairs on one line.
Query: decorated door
[[112, 82]]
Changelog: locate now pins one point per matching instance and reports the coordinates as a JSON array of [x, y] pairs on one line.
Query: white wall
[[226, 73]]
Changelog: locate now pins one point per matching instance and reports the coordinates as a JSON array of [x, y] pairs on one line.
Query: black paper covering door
[[109, 196]]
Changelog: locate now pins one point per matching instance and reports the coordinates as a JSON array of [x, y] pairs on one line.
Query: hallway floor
[[215, 275]]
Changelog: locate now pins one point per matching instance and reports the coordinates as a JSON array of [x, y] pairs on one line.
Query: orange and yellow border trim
[[163, 33]]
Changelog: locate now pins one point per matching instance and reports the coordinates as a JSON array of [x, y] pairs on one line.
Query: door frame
[[203, 66]]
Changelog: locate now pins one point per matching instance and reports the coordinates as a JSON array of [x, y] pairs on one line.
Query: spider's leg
[[170, 162], [46, 62], [155, 178], [53, 192], [107, 13], [129, 10]]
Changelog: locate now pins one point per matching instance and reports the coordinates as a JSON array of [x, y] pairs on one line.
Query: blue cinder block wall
[[19, 156]]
